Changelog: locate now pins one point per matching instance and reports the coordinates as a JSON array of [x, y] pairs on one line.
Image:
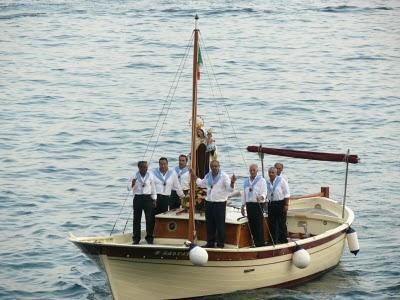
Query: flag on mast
[[199, 63]]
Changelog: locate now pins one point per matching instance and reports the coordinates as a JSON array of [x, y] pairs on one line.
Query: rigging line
[[172, 88], [180, 68], [234, 132], [223, 104], [180, 71], [123, 205], [215, 102], [129, 217]]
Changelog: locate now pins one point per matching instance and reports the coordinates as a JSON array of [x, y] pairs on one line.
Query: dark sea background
[[83, 84]]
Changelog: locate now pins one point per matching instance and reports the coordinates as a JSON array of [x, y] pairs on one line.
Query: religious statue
[[205, 149]]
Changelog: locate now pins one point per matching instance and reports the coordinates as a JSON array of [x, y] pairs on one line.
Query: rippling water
[[83, 83]]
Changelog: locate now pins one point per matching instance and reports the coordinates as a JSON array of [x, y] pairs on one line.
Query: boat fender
[[301, 258], [198, 255], [352, 240]]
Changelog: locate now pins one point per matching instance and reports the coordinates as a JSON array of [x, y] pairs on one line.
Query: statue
[[205, 149]]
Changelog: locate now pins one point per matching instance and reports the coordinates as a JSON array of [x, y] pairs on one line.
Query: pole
[[191, 226], [269, 232], [262, 161], [345, 182]]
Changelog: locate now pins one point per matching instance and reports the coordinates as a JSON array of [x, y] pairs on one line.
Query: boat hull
[[171, 275], [164, 271]]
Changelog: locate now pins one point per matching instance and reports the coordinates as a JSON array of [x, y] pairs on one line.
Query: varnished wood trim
[[154, 252]]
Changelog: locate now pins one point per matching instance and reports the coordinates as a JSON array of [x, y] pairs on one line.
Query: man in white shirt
[[165, 181], [182, 171], [278, 196], [144, 191], [219, 186], [279, 170], [253, 197]]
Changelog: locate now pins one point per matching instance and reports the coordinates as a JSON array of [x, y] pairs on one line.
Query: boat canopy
[[353, 158]]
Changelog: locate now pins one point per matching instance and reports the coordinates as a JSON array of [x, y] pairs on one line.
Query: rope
[[167, 103], [223, 103], [127, 219], [168, 100], [167, 106], [215, 102], [123, 205]]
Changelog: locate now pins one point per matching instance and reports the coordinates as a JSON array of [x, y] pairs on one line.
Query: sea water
[[84, 83]]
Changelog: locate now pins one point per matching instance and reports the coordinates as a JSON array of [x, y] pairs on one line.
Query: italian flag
[[199, 63]]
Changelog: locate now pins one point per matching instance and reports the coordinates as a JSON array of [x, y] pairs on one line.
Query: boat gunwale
[[343, 226], [180, 252]]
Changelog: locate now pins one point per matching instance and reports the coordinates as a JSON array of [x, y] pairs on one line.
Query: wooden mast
[[191, 228]]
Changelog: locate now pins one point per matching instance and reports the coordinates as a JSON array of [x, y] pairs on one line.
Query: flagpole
[[191, 226]]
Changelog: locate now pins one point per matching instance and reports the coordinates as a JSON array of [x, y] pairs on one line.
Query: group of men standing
[[161, 189], [155, 192], [273, 194]]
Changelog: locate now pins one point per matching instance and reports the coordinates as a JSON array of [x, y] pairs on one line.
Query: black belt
[[142, 195], [276, 201]]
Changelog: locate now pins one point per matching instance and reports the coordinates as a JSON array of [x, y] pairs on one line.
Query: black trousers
[[277, 221], [255, 218], [215, 222], [162, 204], [143, 203], [174, 201]]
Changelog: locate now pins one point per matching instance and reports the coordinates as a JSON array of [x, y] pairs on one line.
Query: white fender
[[197, 255], [352, 240], [301, 258]]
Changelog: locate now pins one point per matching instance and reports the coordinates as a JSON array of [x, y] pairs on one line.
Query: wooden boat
[[173, 267]]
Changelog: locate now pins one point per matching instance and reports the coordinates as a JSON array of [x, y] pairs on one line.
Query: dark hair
[[141, 162], [183, 155], [163, 158], [214, 160]]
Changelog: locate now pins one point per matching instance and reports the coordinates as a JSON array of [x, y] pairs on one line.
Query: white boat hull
[[153, 279], [164, 271]]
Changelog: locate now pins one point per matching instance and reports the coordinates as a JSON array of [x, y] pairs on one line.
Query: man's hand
[[285, 208], [242, 211], [233, 178], [260, 199], [133, 182], [192, 174], [286, 205]]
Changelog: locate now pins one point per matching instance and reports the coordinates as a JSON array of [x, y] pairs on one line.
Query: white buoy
[[352, 240], [197, 255], [301, 258]]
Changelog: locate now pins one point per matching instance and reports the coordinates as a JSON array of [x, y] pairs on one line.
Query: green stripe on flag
[[199, 58]]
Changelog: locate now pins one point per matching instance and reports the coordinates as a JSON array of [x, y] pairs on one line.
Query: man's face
[[272, 174], [182, 162], [253, 171], [163, 164], [214, 167], [279, 169], [143, 168]]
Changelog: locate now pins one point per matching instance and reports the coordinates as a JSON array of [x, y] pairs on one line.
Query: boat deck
[[313, 211]]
